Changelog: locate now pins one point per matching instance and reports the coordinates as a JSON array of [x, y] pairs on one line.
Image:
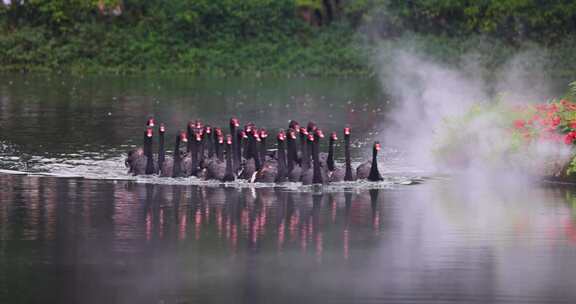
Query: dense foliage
[[271, 36]]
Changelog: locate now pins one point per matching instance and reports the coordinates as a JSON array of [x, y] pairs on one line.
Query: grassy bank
[[274, 37]]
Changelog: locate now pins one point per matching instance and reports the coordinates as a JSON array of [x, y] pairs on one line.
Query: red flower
[[569, 138], [572, 125], [519, 124]]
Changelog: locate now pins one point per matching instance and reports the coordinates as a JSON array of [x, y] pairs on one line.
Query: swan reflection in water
[[252, 218]]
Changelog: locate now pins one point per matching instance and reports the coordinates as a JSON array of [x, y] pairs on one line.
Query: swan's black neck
[[161, 152], [210, 143], [237, 150], [306, 150], [176, 166], [374, 173], [253, 152], [194, 156], [148, 154], [282, 173], [348, 176], [235, 139], [316, 174], [291, 152], [303, 151], [201, 146], [262, 149], [330, 159], [229, 175], [220, 152], [190, 137]]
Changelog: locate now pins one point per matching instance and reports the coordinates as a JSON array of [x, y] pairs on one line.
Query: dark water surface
[[79, 230]]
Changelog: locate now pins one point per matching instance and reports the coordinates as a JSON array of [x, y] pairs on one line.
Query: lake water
[[75, 228]]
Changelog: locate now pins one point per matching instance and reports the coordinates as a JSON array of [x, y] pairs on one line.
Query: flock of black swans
[[207, 153]]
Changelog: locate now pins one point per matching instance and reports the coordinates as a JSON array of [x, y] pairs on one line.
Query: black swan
[[263, 134], [161, 149], [236, 147], [172, 167], [319, 175], [369, 170], [274, 170], [282, 175], [137, 160], [330, 159], [252, 163], [307, 172], [344, 173], [294, 170], [219, 169]]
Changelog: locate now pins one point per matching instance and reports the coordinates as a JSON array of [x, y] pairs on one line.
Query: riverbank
[[332, 51]]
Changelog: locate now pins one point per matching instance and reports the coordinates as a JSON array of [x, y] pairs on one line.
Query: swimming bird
[[369, 170]]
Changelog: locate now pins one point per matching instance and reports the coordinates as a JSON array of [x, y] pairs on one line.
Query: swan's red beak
[[228, 139], [346, 131], [303, 131], [292, 135], [162, 128], [281, 136], [221, 139], [263, 133], [320, 133], [310, 137], [377, 146], [235, 122], [243, 134], [208, 130], [183, 137], [257, 137], [150, 122], [149, 132]]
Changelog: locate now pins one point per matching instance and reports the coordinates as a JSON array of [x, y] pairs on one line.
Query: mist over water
[[429, 94]]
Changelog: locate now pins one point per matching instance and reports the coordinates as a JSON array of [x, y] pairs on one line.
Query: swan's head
[[218, 132], [162, 128], [347, 131], [263, 133], [208, 129], [294, 125], [311, 127], [377, 146], [249, 128], [149, 132], [319, 133], [334, 136], [221, 139], [150, 122], [292, 134], [228, 139], [281, 135], [234, 122], [310, 137], [183, 136]]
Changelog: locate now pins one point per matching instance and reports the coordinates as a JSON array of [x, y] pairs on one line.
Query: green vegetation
[[539, 137], [293, 37]]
